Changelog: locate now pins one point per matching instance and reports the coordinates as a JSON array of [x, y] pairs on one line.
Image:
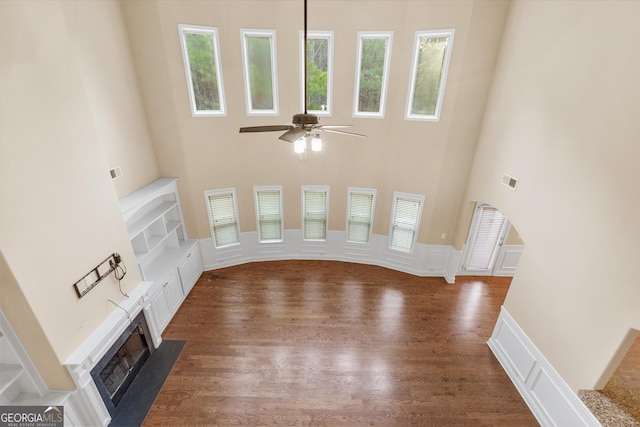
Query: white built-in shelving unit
[[164, 254], [20, 381]]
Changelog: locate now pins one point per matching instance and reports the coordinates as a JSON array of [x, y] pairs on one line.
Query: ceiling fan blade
[[271, 128], [343, 132], [293, 134], [333, 126]]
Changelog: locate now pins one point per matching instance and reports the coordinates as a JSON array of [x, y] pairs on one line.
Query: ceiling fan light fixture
[[316, 143], [299, 145]]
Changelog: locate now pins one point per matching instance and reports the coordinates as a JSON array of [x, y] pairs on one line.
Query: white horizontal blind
[[269, 215], [404, 224], [224, 222], [487, 237], [359, 218], [315, 214]]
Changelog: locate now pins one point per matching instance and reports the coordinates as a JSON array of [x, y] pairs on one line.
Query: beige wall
[[101, 49], [60, 213], [426, 158], [563, 118]]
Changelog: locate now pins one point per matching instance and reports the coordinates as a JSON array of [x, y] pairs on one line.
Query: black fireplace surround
[[118, 367]]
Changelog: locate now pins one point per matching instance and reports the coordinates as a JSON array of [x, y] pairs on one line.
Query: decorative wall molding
[[507, 261], [550, 399], [425, 260]]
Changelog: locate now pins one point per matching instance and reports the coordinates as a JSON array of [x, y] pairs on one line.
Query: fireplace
[[118, 367]]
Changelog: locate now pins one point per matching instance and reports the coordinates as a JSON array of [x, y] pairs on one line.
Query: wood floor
[[296, 343]]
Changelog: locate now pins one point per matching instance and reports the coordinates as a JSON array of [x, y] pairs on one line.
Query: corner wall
[[60, 214], [563, 119]]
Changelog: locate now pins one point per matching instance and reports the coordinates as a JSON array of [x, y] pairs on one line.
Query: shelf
[[172, 225], [155, 241], [9, 374], [167, 261], [150, 217], [142, 195]]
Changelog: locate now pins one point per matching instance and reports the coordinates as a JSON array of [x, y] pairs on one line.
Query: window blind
[[222, 209], [404, 224], [485, 243], [315, 214], [360, 216], [269, 215]]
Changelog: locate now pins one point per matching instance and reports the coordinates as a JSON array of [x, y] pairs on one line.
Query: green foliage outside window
[[260, 72], [317, 66], [202, 63], [371, 74], [427, 83]]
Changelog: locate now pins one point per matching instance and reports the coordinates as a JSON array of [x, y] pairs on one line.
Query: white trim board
[[425, 260], [550, 399]]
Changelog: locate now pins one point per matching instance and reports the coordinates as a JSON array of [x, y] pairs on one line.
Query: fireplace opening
[[116, 370]]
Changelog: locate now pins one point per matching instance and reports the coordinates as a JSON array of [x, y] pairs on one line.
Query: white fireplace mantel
[[86, 398]]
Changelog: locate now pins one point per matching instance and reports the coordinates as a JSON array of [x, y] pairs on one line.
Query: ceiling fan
[[303, 124]]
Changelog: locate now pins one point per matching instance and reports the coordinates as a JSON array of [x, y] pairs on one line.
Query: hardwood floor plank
[[330, 343]]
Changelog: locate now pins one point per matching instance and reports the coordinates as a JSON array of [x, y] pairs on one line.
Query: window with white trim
[[201, 55], [315, 206], [260, 72], [268, 201], [319, 71], [405, 221], [431, 55], [361, 205], [223, 217], [372, 73]]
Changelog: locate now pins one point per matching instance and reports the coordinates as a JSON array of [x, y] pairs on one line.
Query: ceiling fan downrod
[[305, 57]]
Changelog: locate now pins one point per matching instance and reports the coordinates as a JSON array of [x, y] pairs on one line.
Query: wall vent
[[115, 172], [509, 181]]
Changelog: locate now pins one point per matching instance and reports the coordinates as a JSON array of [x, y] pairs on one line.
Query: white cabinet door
[[166, 300], [190, 268], [173, 292], [160, 309]]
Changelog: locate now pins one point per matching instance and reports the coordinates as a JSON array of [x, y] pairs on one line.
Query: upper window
[[405, 221], [223, 217], [315, 205], [201, 54], [360, 215], [319, 70], [372, 73], [431, 54], [269, 213], [260, 74]]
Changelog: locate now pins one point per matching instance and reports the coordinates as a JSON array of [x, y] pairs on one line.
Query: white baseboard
[[550, 399], [425, 260]]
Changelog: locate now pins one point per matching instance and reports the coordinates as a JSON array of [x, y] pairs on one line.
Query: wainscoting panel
[[507, 260], [425, 260], [550, 399], [519, 357]]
